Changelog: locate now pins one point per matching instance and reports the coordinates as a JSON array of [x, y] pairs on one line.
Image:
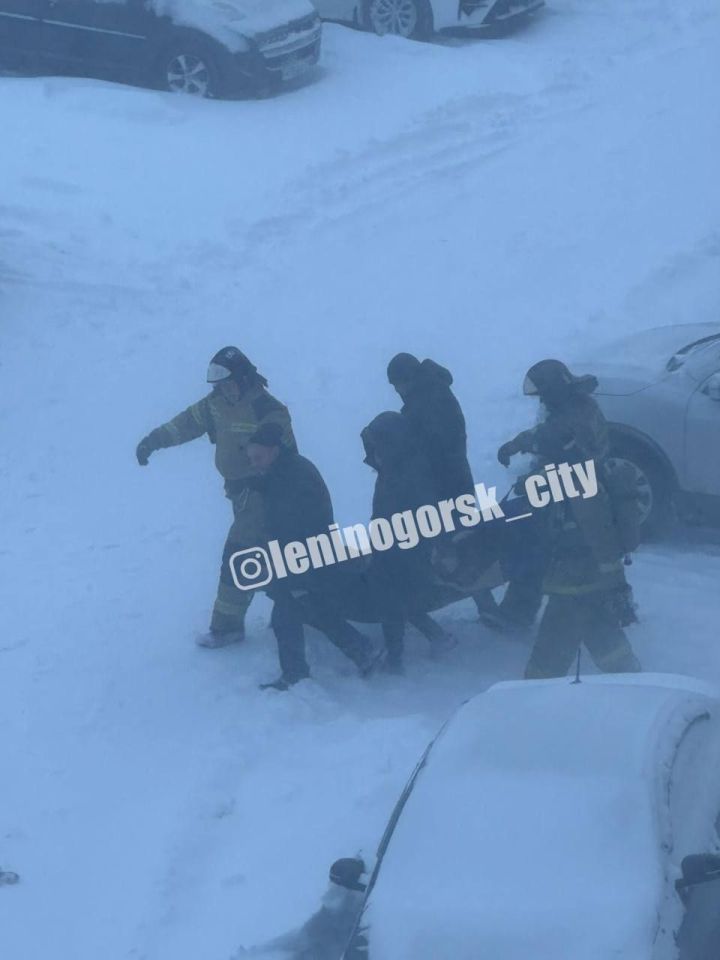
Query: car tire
[[654, 488], [412, 19], [189, 65]]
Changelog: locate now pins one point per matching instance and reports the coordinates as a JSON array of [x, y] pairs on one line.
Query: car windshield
[[679, 358]]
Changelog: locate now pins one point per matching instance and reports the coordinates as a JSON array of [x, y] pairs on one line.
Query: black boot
[[352, 643], [394, 636], [393, 665], [440, 641], [282, 683]]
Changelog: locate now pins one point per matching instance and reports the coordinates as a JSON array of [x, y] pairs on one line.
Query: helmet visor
[[216, 373], [529, 388]]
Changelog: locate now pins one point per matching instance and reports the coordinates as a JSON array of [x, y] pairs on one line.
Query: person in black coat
[[435, 416], [432, 410], [401, 579], [297, 505]]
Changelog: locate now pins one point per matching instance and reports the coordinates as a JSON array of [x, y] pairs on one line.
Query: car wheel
[[189, 67], [404, 18], [653, 489]]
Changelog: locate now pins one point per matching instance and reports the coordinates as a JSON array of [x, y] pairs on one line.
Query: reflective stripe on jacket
[[229, 426]]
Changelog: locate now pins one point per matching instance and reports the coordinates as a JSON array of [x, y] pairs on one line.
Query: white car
[[421, 18], [548, 819], [660, 392]]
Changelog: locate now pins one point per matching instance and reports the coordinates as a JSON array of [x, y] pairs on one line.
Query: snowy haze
[[483, 203]]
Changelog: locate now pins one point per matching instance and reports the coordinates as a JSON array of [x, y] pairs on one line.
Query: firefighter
[[237, 405], [588, 595]]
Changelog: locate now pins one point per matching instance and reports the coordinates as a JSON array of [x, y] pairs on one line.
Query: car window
[[704, 362], [693, 352]]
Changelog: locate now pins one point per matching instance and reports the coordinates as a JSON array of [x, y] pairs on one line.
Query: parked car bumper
[[490, 16], [280, 56]]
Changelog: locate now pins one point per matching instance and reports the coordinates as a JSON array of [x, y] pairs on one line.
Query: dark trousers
[[571, 620], [394, 634], [522, 601], [289, 616], [524, 556]]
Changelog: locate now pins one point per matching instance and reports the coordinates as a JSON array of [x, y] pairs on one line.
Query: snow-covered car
[[660, 391], [421, 18], [203, 47], [547, 819]]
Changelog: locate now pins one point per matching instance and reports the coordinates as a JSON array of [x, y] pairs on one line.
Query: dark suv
[[204, 47]]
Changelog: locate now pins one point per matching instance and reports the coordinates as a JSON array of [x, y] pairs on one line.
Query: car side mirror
[[697, 868], [347, 871], [712, 387]]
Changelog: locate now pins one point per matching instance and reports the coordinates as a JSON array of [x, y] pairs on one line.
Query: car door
[[702, 438], [122, 29], [104, 34], [66, 33], [20, 25]]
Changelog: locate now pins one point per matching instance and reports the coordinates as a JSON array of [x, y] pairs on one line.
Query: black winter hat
[[402, 368], [268, 435]]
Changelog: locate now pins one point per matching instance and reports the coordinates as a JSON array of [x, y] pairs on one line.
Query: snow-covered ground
[[483, 203]]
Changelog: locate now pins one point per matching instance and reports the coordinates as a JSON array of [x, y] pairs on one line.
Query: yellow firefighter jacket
[[229, 425]]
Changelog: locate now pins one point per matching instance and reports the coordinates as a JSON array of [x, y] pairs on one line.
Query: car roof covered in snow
[[537, 827]]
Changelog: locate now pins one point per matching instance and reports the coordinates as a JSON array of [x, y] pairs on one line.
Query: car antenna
[[577, 668]]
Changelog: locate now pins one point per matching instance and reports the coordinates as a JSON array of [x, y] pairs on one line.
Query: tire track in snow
[[443, 149]]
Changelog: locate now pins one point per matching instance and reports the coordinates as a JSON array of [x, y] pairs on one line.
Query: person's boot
[[510, 619], [440, 641], [485, 602], [499, 622], [355, 645], [392, 665], [214, 639], [368, 661], [282, 683], [440, 645], [390, 660]]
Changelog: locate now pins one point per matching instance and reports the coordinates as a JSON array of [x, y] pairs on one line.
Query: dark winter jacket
[[435, 415], [295, 505], [296, 502], [404, 476], [400, 578]]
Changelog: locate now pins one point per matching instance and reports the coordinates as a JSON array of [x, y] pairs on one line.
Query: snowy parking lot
[[484, 203]]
